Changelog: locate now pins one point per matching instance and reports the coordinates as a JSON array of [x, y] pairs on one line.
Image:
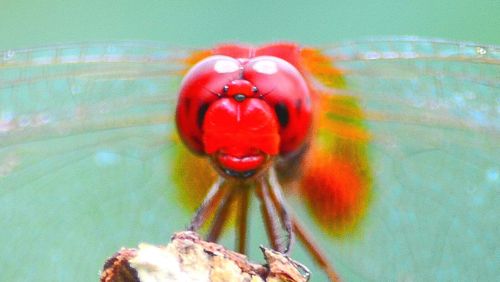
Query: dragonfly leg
[[280, 203], [281, 206], [314, 250], [221, 217], [269, 215], [202, 212], [241, 231]]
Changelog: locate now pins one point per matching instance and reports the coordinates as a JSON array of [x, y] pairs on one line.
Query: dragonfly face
[[89, 159], [243, 111]]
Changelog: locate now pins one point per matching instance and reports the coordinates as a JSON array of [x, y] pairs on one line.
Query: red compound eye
[[202, 85], [285, 90]]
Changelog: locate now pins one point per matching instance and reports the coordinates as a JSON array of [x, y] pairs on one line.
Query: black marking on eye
[[282, 113], [298, 106], [225, 88], [201, 114], [254, 89]]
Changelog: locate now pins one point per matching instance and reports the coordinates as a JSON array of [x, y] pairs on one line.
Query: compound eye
[[281, 85], [203, 84]]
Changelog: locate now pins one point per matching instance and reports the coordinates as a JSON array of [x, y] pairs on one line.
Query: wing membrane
[[85, 135], [439, 82], [431, 109], [81, 87]]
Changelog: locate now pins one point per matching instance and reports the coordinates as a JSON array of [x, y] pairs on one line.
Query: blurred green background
[[27, 23], [140, 214]]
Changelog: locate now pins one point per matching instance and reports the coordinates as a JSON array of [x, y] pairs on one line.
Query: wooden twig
[[188, 258]]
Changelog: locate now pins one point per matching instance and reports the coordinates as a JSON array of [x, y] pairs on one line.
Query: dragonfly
[[90, 158]]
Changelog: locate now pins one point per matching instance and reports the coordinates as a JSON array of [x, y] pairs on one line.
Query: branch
[[188, 258]]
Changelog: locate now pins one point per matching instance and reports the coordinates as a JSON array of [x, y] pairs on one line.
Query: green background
[[203, 23], [48, 220]]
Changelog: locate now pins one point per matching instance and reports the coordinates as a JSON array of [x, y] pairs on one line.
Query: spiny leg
[[314, 250], [279, 201], [280, 205], [241, 231], [211, 198], [269, 215], [221, 217]]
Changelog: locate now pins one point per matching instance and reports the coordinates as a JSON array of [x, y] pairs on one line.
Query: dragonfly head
[[243, 112]]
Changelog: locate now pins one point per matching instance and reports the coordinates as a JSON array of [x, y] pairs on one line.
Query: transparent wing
[[85, 148], [432, 110], [85, 132]]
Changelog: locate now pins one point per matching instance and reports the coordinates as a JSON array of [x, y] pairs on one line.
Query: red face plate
[[241, 133]]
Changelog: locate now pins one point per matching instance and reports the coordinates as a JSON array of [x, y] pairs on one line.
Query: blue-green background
[[28, 23], [182, 23]]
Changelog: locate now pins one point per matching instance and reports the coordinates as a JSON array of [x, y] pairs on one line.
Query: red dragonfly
[[391, 144]]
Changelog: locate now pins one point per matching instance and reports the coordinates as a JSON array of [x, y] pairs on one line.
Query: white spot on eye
[[226, 66], [265, 67]]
